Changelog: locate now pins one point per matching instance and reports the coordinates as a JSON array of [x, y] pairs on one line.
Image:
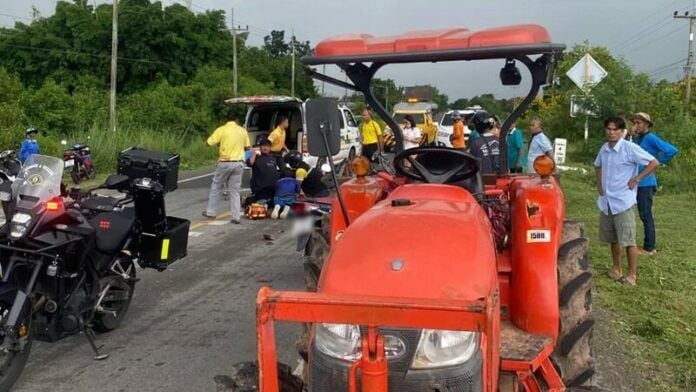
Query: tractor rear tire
[[573, 352], [316, 252]]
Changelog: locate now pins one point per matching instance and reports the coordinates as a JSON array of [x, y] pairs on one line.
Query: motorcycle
[[78, 159], [9, 168], [68, 261]]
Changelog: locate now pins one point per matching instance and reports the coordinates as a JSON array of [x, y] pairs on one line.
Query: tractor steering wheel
[[436, 165]]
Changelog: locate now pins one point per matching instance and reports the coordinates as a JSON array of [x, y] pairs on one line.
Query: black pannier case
[[159, 250], [158, 166]]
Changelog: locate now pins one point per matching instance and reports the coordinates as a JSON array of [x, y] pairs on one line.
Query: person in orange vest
[[458, 140]]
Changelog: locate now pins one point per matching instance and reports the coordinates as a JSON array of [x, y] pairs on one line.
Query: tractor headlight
[[439, 348], [18, 225], [338, 340], [342, 341]]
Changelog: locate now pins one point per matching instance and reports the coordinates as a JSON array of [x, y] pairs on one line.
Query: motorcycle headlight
[[21, 218], [342, 341], [439, 348], [18, 225]]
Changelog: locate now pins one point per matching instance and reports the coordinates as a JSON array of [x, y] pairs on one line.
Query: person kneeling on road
[[308, 177], [264, 174], [286, 191]]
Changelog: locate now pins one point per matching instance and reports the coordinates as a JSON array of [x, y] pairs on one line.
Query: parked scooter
[[78, 159], [9, 168]]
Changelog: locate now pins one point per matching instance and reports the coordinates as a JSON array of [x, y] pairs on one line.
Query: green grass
[[657, 319], [106, 145]]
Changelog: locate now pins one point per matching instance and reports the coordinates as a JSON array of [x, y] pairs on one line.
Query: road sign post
[[586, 74]]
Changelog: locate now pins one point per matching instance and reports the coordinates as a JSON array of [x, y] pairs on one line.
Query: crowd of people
[[278, 175], [625, 169]]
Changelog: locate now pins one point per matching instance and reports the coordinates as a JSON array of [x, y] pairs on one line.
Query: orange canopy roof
[[442, 45]]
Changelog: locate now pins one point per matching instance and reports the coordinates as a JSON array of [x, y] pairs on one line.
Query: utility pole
[[114, 66], [235, 30], [292, 67], [690, 58], [587, 89]]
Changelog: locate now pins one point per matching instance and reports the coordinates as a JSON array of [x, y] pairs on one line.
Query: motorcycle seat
[[113, 229], [100, 203]]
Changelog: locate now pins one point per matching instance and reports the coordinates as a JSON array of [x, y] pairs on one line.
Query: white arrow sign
[[586, 73]]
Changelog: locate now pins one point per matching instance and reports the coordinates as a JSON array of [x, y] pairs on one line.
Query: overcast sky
[[643, 31]]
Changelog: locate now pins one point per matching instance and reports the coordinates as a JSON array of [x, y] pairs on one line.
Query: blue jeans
[[645, 201]]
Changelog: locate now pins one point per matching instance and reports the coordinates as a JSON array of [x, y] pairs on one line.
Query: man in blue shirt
[[515, 144], [539, 144], [617, 168], [664, 152], [30, 145]]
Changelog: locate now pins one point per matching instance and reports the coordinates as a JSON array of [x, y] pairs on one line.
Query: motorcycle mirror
[[64, 142]]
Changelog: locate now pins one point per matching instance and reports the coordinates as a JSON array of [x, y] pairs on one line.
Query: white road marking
[[201, 176], [218, 222], [195, 233]]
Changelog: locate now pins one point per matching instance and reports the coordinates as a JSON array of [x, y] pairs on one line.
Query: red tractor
[[497, 299]]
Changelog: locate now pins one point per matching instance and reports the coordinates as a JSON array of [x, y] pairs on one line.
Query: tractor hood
[[439, 246]]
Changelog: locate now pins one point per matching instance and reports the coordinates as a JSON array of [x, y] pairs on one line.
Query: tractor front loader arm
[[372, 312]]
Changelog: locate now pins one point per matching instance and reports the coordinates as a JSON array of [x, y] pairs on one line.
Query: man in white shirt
[[616, 166]]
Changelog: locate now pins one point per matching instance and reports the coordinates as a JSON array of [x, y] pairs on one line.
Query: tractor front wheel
[[573, 352]]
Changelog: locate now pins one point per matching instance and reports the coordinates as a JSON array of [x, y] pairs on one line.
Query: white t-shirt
[[409, 135]]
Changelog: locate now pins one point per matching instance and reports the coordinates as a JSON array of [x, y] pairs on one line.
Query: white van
[[263, 111]]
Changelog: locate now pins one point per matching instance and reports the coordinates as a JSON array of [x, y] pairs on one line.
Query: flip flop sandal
[[609, 275], [623, 280]]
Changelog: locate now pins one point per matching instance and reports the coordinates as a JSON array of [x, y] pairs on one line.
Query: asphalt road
[[189, 323]]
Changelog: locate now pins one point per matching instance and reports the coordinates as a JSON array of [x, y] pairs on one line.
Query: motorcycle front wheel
[[118, 295], [13, 359]]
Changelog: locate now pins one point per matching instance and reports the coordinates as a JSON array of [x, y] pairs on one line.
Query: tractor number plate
[[538, 236], [302, 226]]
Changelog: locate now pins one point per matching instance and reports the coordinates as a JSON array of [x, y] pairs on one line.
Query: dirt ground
[[615, 371]]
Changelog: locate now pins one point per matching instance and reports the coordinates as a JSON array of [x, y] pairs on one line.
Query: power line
[[74, 52], [667, 65], [645, 33], [649, 16], [655, 40]]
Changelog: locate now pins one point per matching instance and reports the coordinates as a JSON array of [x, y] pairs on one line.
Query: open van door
[[263, 112]]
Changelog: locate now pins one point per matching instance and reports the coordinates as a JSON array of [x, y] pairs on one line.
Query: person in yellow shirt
[[232, 140], [371, 133], [277, 137]]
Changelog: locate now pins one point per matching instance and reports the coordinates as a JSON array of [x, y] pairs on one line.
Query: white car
[[446, 125], [263, 111]]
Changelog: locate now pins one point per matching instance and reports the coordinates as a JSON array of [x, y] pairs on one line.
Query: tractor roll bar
[[361, 75]]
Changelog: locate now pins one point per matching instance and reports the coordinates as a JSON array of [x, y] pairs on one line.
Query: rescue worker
[[371, 135], [264, 173], [486, 148], [309, 178], [30, 145], [277, 137], [233, 141], [458, 136]]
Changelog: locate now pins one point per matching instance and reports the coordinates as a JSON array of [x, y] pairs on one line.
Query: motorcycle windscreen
[[40, 178]]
